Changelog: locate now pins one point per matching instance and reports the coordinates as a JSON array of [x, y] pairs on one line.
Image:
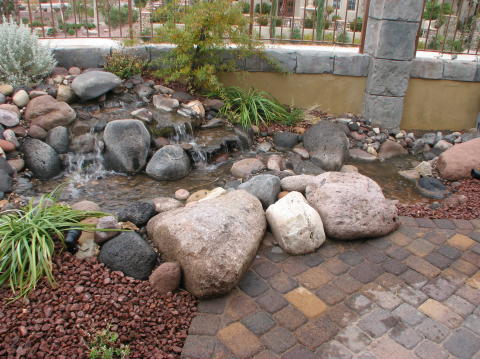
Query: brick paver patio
[[412, 294]]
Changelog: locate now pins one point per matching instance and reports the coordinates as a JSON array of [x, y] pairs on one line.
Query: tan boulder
[[46, 112], [214, 241], [458, 161]]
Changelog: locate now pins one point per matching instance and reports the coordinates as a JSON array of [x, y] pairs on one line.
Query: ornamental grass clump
[[254, 107], [23, 61], [28, 237]]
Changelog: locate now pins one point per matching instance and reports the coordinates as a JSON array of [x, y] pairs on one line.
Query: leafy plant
[[7, 7], [118, 16], [158, 16], [52, 32], [124, 65], [254, 107], [36, 23], [263, 8], [208, 27], [105, 346], [28, 240], [357, 24], [23, 61], [308, 23]]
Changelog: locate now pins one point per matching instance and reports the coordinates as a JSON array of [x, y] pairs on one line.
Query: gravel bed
[[470, 209], [60, 322]]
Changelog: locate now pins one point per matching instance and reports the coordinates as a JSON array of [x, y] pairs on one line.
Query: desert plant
[[28, 240], [105, 346], [254, 107], [23, 61], [118, 16], [124, 65], [357, 24], [264, 8], [208, 27]]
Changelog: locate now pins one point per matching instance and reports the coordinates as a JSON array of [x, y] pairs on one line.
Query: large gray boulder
[[130, 254], [265, 187], [126, 145], [58, 138], [327, 144], [169, 163], [352, 206], [41, 158], [296, 226], [214, 241], [93, 84]]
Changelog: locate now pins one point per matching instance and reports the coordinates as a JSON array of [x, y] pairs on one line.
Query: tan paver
[[422, 266], [461, 242], [314, 278], [306, 302], [474, 281], [441, 313], [241, 341]]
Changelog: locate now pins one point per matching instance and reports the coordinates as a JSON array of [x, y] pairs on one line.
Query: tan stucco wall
[[334, 94], [429, 104], [441, 105]]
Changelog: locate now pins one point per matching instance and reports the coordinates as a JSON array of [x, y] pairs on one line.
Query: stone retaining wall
[[314, 60]]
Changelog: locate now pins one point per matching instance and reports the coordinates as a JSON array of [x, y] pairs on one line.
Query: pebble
[[182, 194], [21, 98]]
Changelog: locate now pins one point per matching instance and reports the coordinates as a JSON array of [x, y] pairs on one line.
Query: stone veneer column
[[390, 42]]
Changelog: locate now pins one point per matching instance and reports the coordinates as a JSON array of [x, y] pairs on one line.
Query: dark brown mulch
[[470, 209], [60, 322]]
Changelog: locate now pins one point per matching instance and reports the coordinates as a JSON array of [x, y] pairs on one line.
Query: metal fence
[[287, 21], [450, 26]]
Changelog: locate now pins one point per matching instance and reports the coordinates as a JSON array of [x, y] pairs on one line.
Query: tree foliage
[[207, 28]]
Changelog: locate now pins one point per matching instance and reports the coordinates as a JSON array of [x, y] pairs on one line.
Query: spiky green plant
[[254, 107], [27, 240]]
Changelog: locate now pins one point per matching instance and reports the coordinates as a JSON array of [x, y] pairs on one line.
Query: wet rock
[[410, 175], [86, 206], [264, 147], [41, 159], [166, 277], [9, 118], [246, 167], [297, 227], [93, 84], [197, 108], [58, 138], [285, 141], [335, 194], [197, 195], [428, 156], [165, 204], [130, 254], [165, 103], [182, 96], [127, 143], [327, 144], [306, 167], [21, 98], [163, 90], [390, 149], [5, 177], [169, 163], [348, 168], [65, 94], [429, 138], [418, 146], [214, 193], [213, 123], [458, 161], [181, 194], [143, 114], [296, 183], [46, 112], [213, 104], [84, 143], [203, 239], [138, 213], [432, 188], [143, 91], [107, 222], [265, 187]]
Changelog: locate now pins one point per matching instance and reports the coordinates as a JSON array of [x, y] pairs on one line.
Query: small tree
[[273, 15], [209, 27], [320, 20]]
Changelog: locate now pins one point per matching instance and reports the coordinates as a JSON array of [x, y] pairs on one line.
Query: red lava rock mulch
[[470, 209], [60, 322]]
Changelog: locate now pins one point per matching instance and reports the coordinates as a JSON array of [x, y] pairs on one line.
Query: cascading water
[[184, 135]]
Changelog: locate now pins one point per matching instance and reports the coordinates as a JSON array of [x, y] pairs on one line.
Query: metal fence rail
[[450, 26], [287, 21]]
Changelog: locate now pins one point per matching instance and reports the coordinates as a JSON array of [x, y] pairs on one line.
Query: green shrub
[[7, 7], [36, 23], [104, 346], [308, 23], [28, 241], [436, 42], [52, 32], [357, 24], [124, 65], [71, 32], [454, 46], [118, 16], [24, 61], [327, 24], [158, 16], [263, 8], [140, 3], [434, 9], [343, 37], [245, 7], [262, 20], [89, 25], [277, 21], [146, 34], [208, 27], [253, 107], [296, 34], [24, 21], [336, 18]]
